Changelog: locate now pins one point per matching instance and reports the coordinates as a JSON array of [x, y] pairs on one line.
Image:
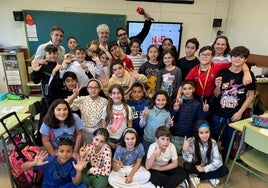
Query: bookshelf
[[15, 75]]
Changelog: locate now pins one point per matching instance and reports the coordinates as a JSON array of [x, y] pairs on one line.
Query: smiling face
[[115, 51], [153, 53], [130, 140], [61, 112], [56, 37], [122, 36], [160, 101], [103, 36], [168, 59], [93, 89], [64, 153], [205, 57], [137, 93], [118, 70], [203, 134], [116, 96], [80, 55], [188, 90], [70, 83], [167, 45], [135, 48], [220, 46], [51, 56]]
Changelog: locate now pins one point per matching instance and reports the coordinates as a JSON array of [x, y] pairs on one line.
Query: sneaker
[[184, 184], [214, 182], [194, 179]]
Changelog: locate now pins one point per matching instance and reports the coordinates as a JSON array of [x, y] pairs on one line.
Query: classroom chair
[[255, 159]]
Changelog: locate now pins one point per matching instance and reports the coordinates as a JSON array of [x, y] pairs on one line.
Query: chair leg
[[229, 174]]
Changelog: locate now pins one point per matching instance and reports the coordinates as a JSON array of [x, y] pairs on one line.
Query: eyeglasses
[[238, 57], [90, 87], [122, 34], [205, 55]]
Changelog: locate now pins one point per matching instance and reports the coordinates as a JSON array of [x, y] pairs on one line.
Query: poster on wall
[[31, 28]]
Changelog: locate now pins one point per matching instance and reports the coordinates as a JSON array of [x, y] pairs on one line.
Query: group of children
[[147, 115]]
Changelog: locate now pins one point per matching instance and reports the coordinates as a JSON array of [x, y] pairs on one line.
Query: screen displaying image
[[158, 32]]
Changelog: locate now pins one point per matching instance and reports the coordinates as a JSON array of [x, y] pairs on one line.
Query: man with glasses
[[122, 36]]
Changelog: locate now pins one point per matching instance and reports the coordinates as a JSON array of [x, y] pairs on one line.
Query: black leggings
[[169, 178], [220, 172]]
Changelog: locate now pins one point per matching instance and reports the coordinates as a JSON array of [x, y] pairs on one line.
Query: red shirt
[[203, 87], [128, 63]]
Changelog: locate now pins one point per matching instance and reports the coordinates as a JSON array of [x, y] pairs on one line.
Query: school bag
[[24, 149]]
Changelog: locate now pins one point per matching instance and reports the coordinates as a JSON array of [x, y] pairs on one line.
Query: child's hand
[[39, 158], [186, 143], [80, 165], [68, 59], [205, 106], [176, 105], [76, 90], [218, 81], [170, 121], [118, 163], [36, 66], [200, 168], [56, 69], [134, 73], [129, 179], [83, 150], [157, 151], [145, 112], [237, 116]]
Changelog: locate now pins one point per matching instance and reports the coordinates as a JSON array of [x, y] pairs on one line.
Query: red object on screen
[[140, 10]]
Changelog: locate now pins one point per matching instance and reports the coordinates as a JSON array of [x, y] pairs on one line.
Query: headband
[[96, 80], [129, 129], [203, 125]]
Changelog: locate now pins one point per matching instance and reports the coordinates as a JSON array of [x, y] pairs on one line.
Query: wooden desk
[[11, 123], [23, 105], [238, 126]]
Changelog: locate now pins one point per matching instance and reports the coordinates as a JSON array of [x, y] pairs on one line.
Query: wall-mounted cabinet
[[15, 76]]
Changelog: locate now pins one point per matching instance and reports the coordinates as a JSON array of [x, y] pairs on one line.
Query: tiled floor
[[239, 179]]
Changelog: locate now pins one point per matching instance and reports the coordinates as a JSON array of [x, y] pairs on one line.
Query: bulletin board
[[80, 25]]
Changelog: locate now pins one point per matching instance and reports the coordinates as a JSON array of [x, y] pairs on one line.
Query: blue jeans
[[217, 126]]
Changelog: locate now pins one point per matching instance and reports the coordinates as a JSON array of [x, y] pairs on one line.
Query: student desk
[[20, 106], [238, 126], [11, 123]]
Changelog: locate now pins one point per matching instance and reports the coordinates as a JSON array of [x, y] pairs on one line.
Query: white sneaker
[[184, 184], [194, 179], [214, 182]]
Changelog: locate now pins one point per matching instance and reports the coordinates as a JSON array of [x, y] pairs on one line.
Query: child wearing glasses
[[58, 123], [90, 107], [60, 170], [204, 75]]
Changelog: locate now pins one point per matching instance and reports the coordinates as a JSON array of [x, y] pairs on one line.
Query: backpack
[[21, 150], [25, 178]]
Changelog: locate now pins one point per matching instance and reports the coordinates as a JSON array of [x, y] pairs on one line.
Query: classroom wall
[[197, 18], [244, 21]]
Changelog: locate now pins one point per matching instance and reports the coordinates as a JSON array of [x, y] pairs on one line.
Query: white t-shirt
[[164, 158]]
